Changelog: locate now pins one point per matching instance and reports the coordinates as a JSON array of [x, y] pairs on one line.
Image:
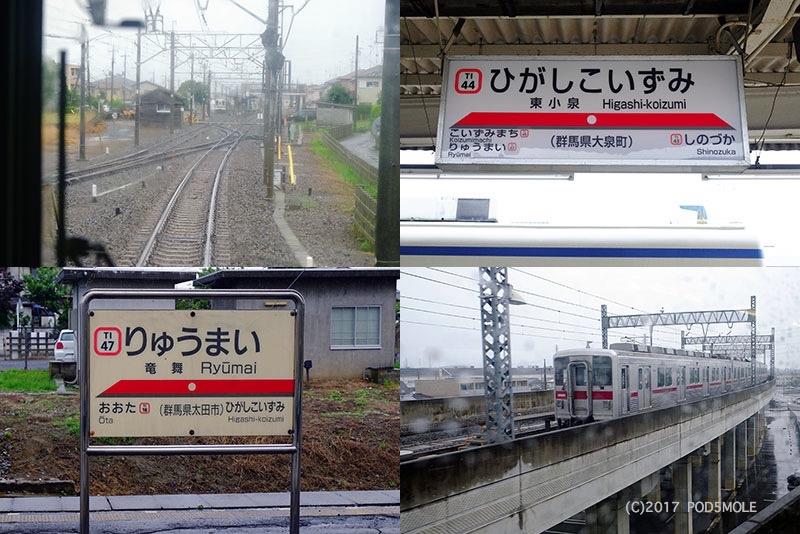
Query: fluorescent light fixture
[[439, 175], [785, 175]]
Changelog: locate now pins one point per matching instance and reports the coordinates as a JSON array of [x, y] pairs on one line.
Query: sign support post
[[287, 301]]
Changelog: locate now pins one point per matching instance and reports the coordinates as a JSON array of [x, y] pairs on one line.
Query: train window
[[580, 376], [624, 384], [660, 379], [559, 364], [641, 384], [602, 370], [668, 376]]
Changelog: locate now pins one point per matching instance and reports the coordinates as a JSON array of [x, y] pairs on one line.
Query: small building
[[157, 108], [369, 84]]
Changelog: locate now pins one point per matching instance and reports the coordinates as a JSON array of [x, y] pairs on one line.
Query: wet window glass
[[601, 366]]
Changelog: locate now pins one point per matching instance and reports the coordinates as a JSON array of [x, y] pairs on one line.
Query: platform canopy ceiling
[[604, 27]]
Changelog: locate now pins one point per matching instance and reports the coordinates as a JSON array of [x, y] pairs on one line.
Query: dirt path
[[351, 435], [323, 220]]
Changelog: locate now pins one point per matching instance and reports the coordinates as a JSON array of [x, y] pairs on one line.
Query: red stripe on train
[[665, 390], [596, 395], [635, 394], [692, 386]]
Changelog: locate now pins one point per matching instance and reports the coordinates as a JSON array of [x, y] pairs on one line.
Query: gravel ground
[[253, 237], [323, 220], [122, 220]]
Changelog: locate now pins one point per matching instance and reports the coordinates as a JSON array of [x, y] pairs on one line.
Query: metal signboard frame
[[293, 448], [588, 164]]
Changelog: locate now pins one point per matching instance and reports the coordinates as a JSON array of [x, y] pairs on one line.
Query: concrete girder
[[536, 482]]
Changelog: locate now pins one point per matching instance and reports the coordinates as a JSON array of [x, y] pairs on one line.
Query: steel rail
[[150, 245]]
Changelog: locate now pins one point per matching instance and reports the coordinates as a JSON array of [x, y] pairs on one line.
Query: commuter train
[[464, 244], [219, 105], [629, 378]]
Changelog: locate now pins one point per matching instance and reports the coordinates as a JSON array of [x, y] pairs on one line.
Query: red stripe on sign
[[561, 394], [665, 390], [654, 121], [201, 388]]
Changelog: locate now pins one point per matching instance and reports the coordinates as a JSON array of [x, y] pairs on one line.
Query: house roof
[[224, 278], [159, 95], [76, 274]]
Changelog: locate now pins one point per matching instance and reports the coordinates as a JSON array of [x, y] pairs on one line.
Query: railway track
[[184, 232], [168, 150]]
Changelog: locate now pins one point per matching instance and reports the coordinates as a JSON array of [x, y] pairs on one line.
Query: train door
[[644, 388], [705, 381], [682, 382], [625, 405], [579, 399]]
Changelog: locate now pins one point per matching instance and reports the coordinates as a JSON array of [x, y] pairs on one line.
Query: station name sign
[[191, 373], [681, 114]]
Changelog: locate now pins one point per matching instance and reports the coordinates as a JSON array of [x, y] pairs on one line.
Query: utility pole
[[191, 78], [124, 75], [137, 96], [208, 94], [355, 95], [82, 152], [88, 71], [274, 62], [111, 96], [172, 83], [208, 100], [387, 219]]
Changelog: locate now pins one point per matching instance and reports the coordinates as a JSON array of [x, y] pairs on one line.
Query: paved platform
[[325, 511], [206, 501]]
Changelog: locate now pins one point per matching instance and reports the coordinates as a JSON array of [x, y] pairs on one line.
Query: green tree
[[337, 94], [193, 87], [42, 289], [10, 288]]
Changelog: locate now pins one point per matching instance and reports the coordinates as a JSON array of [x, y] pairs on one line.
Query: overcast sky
[[569, 324], [321, 45]]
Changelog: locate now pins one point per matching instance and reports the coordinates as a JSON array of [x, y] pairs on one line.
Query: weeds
[[26, 381]]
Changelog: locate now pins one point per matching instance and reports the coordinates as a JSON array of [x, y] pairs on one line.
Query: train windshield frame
[[601, 371], [559, 364]]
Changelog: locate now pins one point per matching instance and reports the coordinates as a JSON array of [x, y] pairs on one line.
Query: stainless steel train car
[[601, 384]]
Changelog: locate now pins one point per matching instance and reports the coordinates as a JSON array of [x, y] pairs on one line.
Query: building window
[[356, 327], [373, 84], [162, 108]]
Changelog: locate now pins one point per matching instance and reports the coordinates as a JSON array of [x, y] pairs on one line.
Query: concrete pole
[[682, 481], [88, 71], [714, 471], [82, 150], [191, 77], [172, 83], [111, 96], [729, 460], [137, 96], [387, 218], [124, 75], [355, 94], [741, 448], [274, 63]]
